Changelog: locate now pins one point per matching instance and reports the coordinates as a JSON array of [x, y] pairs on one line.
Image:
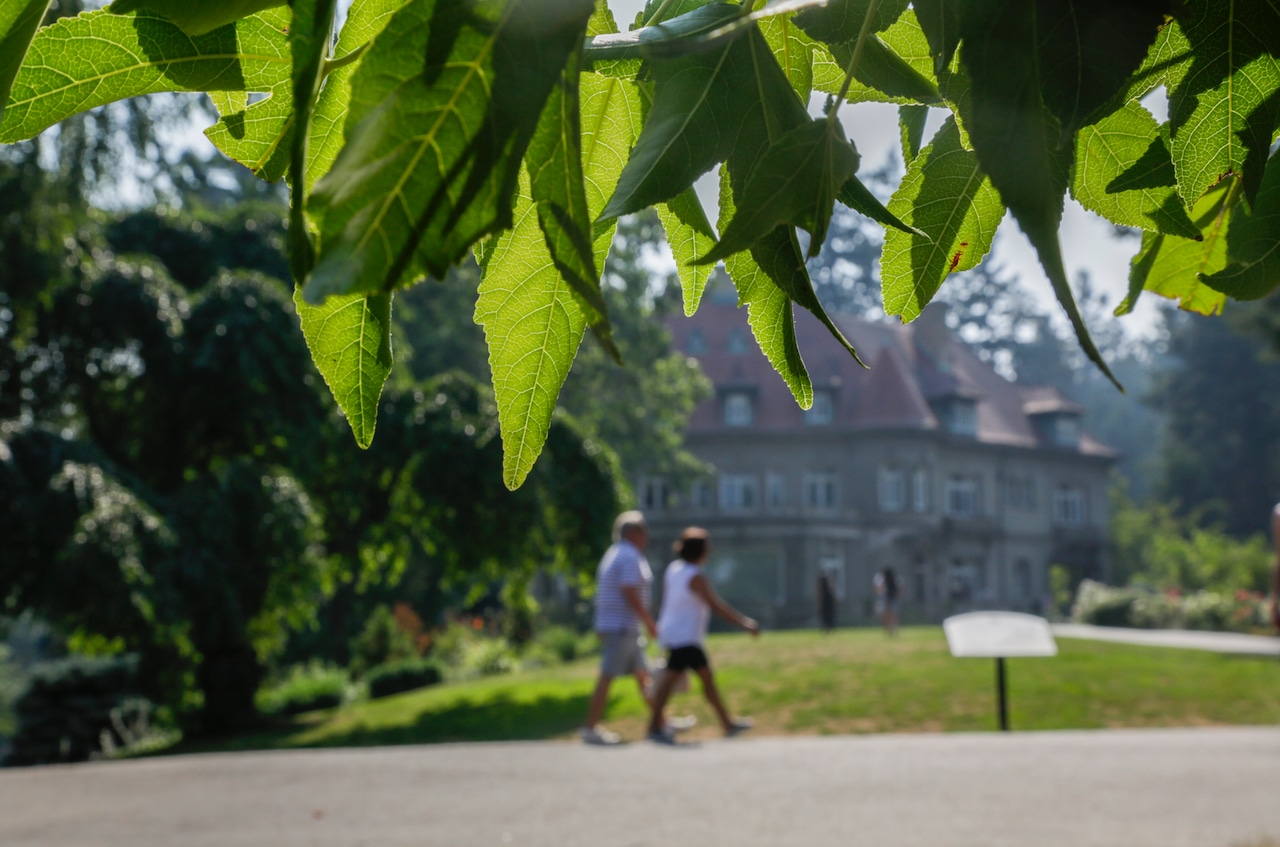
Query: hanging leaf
[[840, 21], [768, 306], [949, 199], [196, 17], [690, 235], [911, 122], [793, 50], [1089, 49], [97, 58], [795, 182], [1123, 172], [1017, 141], [434, 137], [895, 67], [309, 36], [1171, 266], [532, 319], [18, 24], [554, 161], [1252, 244], [940, 21], [350, 341], [1223, 112], [858, 197]]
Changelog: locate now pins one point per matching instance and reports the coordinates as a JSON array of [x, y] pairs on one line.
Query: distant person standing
[[623, 585], [687, 603], [887, 588], [1275, 574], [826, 601]]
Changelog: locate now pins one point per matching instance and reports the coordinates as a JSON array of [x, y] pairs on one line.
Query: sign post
[[999, 635]]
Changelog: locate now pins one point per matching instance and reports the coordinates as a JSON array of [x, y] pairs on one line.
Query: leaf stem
[[656, 17], [331, 65], [863, 35]]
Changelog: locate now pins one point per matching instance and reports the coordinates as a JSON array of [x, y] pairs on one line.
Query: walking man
[[623, 585]]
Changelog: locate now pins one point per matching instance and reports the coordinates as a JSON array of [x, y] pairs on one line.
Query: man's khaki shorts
[[621, 653]]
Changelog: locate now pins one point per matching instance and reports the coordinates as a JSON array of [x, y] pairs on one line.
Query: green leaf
[[1171, 266], [768, 307], [366, 316], [532, 321], [1017, 141], [1224, 110], [895, 67], [554, 161], [911, 122], [946, 195], [97, 58], [840, 21], [858, 197], [196, 17], [442, 109], [1253, 244], [1089, 49], [690, 235], [19, 20], [310, 34], [350, 340], [940, 21], [1123, 172], [794, 51], [795, 182], [365, 20], [696, 31]]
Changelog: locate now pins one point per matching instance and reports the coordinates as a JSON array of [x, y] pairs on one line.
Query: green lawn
[[854, 681]]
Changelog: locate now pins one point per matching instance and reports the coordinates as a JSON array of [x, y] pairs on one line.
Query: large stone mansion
[[968, 485]]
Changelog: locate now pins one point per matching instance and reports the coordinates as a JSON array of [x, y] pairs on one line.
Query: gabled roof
[[915, 370]]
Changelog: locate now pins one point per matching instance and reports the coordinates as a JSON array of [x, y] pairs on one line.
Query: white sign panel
[[996, 635]]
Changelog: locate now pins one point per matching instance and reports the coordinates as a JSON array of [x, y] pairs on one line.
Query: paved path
[[1123, 788], [1218, 642]]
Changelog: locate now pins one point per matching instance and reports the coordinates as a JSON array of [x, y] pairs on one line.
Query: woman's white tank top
[[685, 616]]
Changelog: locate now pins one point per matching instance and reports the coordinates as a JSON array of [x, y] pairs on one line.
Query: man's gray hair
[[628, 522]]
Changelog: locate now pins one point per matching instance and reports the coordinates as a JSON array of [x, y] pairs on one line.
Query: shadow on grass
[[495, 716]]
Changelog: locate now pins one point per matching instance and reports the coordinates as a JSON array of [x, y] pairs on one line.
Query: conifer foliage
[[520, 130]]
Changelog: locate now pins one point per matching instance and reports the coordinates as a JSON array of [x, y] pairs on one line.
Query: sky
[[1087, 241]]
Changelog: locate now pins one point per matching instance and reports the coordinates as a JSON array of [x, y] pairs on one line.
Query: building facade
[[967, 485]]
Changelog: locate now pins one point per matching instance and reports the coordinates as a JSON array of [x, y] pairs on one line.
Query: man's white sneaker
[[599, 736]]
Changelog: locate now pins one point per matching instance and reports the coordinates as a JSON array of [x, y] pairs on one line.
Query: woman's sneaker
[[666, 736], [681, 723], [738, 726], [599, 736]]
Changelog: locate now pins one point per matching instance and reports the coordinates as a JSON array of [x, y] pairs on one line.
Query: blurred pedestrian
[[623, 585], [826, 600], [1275, 574], [887, 588], [687, 603]]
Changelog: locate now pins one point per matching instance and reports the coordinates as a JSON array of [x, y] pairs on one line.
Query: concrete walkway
[[1218, 642], [1124, 788]]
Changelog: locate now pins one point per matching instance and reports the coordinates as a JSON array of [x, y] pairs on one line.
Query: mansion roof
[[916, 372]]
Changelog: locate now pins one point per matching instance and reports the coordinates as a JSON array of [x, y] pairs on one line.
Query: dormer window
[[958, 415], [1064, 430], [738, 408], [738, 341]]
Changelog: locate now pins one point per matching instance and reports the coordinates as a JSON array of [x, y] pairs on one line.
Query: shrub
[[561, 641], [1145, 609], [68, 709], [402, 676], [453, 643], [382, 640], [490, 658], [304, 689]]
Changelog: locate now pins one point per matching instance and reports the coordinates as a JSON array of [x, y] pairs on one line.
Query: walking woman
[[687, 603]]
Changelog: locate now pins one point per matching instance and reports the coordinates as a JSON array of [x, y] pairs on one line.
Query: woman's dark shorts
[[689, 658]]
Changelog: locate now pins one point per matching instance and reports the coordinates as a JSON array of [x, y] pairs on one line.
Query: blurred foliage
[[305, 688]]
